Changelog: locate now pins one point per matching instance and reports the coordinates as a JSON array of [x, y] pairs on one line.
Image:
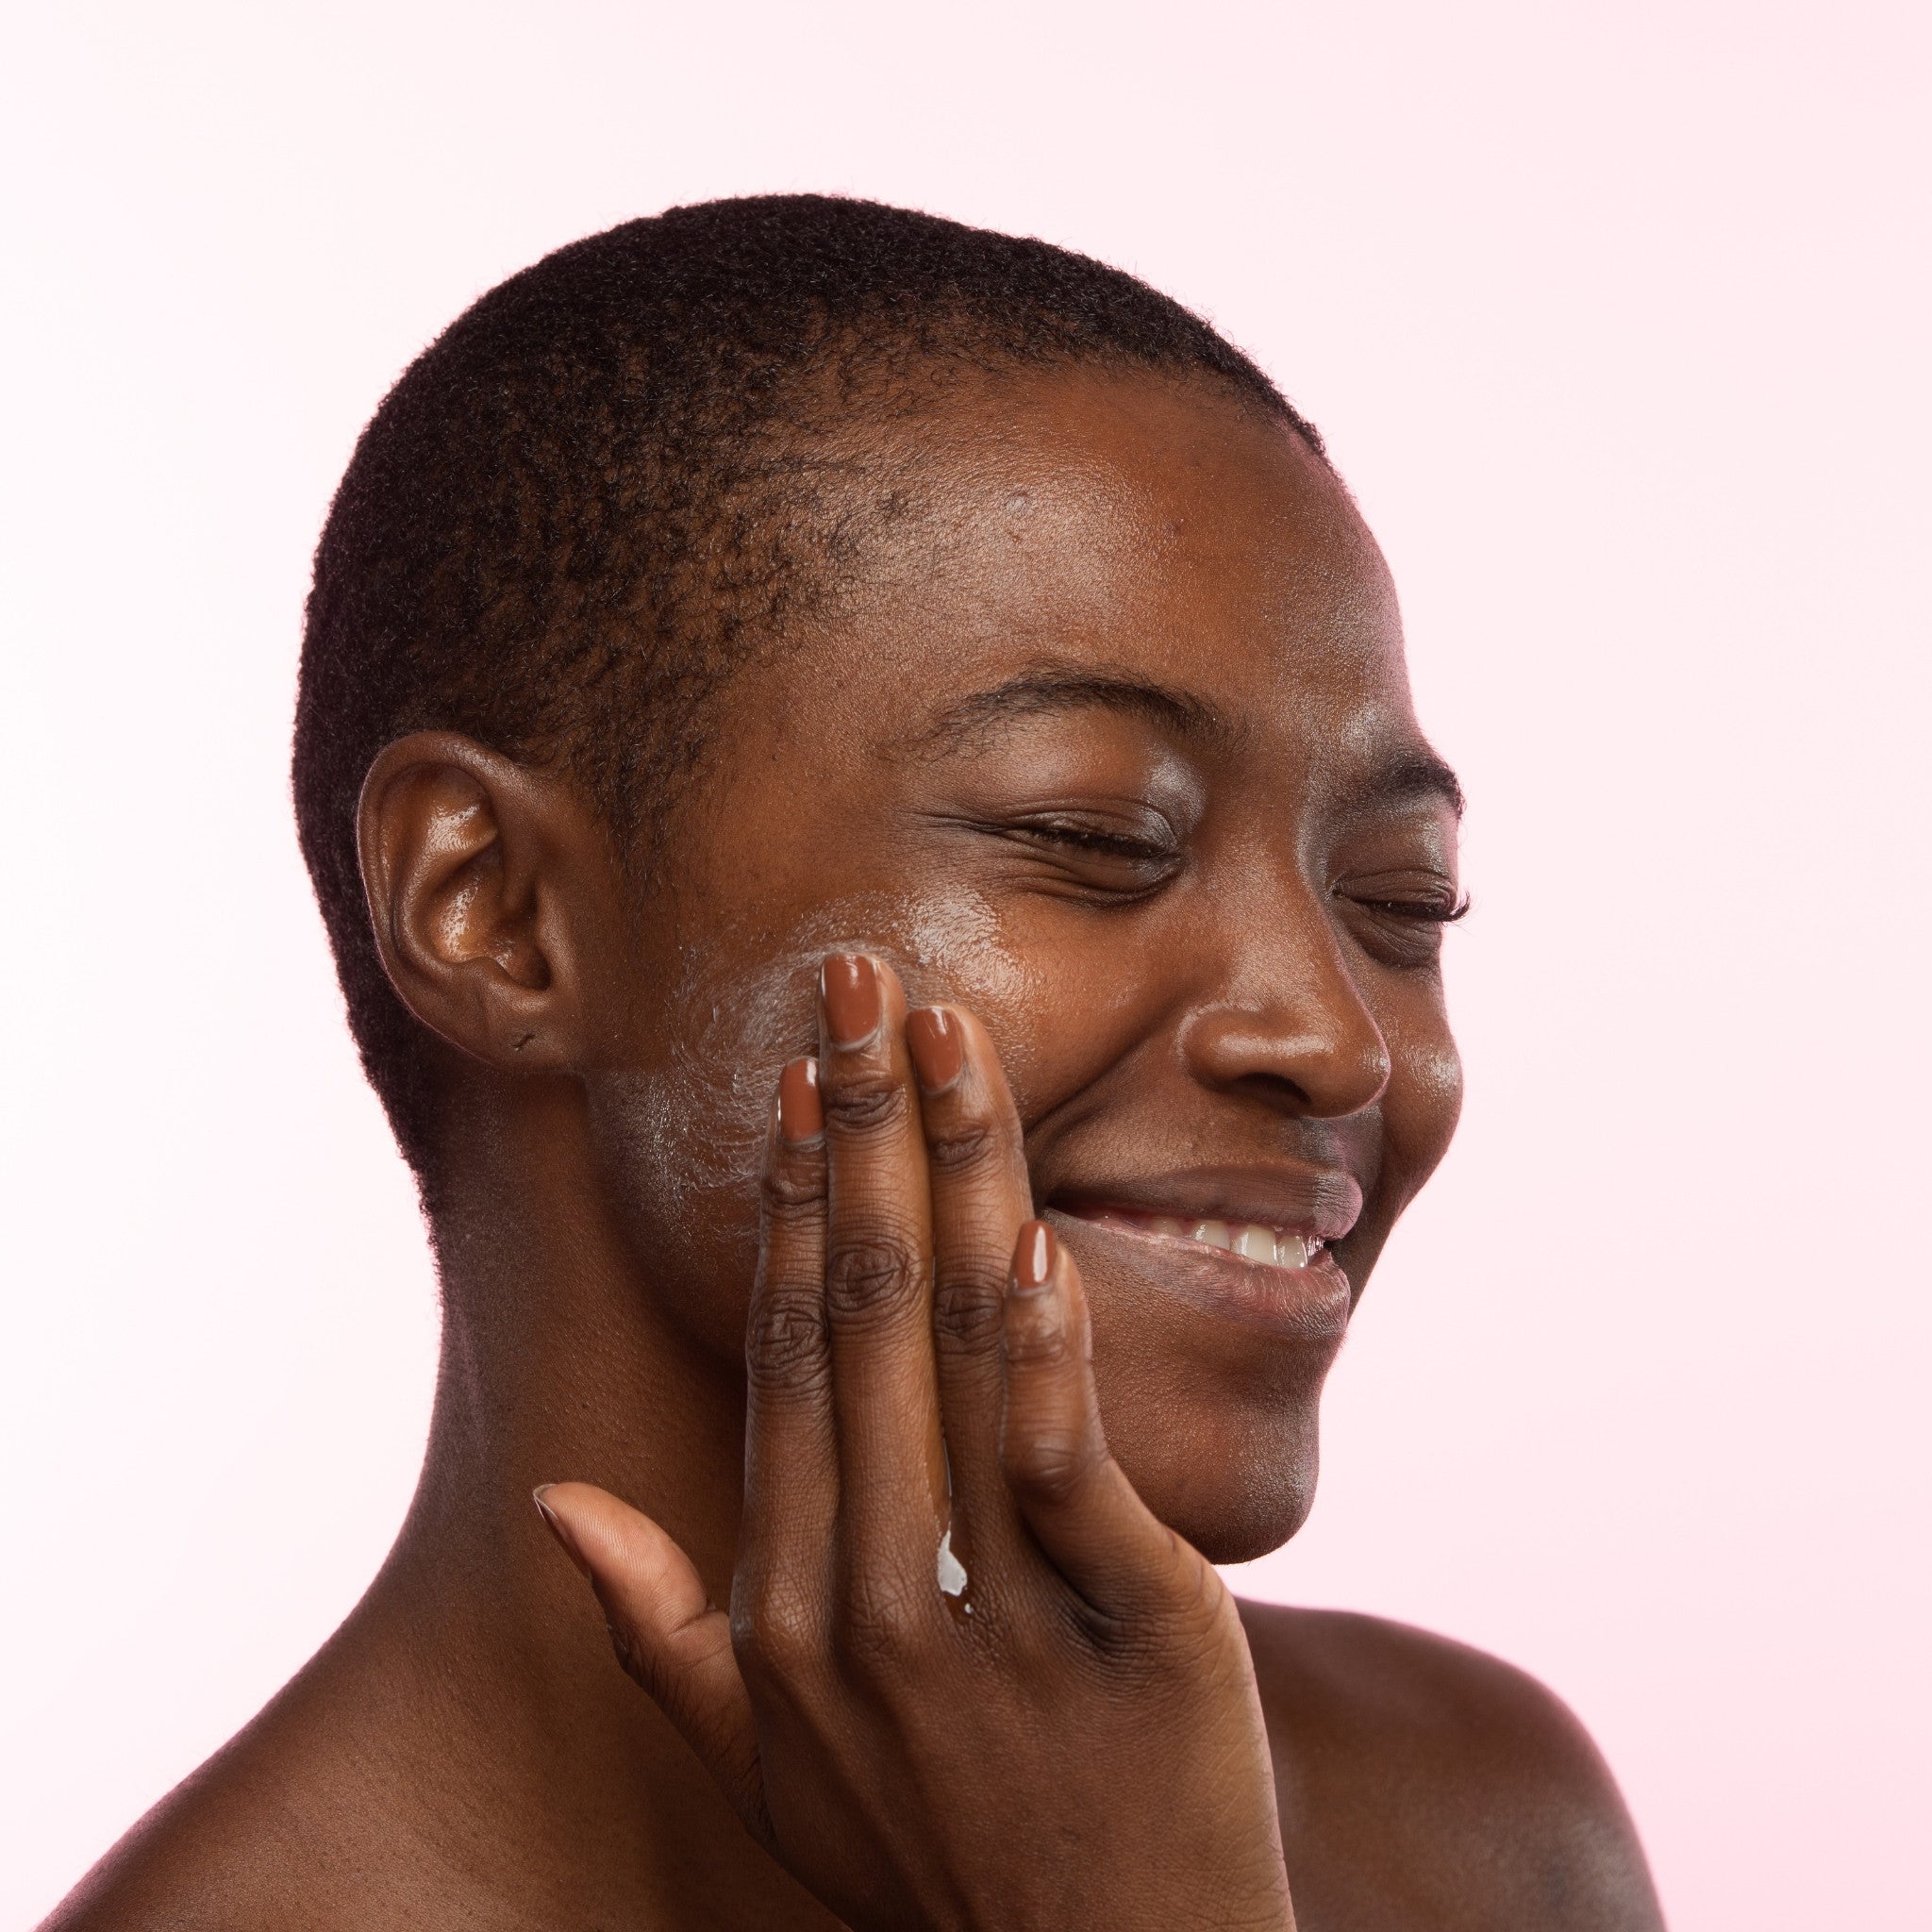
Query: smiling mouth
[[1285, 1248]]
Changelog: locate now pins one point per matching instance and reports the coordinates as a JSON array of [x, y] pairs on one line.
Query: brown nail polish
[[938, 1047], [801, 1112], [554, 1523], [851, 985], [1033, 1258]]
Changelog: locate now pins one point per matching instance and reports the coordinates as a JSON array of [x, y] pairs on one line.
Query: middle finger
[[878, 1280]]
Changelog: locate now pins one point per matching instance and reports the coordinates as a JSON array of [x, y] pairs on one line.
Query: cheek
[[955, 949], [680, 1122], [1425, 1098], [681, 1131]]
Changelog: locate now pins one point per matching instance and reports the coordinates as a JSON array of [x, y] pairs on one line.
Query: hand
[[1073, 1739]]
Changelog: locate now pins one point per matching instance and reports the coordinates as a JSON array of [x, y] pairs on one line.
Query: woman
[[862, 782]]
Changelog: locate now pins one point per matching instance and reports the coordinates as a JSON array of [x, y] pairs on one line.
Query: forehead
[[1162, 529]]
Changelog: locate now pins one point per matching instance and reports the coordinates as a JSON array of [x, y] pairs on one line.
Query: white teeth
[[1254, 1242]]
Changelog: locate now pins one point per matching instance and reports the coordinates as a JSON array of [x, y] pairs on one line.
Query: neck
[[477, 1663]]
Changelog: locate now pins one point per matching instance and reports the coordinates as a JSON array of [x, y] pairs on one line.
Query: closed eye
[[1399, 918], [1090, 855], [1086, 839], [1435, 911]]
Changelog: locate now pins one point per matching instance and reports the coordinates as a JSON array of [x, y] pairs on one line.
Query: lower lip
[[1309, 1303]]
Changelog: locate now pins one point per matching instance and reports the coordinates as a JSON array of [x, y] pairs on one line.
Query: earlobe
[[472, 864]]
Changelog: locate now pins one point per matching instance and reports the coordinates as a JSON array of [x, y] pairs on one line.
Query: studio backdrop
[[1615, 319]]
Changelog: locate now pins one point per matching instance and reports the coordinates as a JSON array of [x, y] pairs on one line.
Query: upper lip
[[1321, 1201]]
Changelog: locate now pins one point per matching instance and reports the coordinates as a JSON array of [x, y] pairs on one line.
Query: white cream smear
[[952, 1573], [697, 1122], [1253, 1240]]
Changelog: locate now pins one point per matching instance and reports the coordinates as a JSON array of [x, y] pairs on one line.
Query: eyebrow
[[1413, 773], [971, 723], [1417, 773]]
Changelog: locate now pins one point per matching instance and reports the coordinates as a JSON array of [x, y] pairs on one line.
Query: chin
[[1236, 1487]]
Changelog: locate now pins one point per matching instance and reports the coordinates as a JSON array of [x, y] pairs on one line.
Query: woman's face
[[1114, 746]]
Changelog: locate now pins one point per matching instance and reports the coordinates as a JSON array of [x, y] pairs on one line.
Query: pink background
[[1616, 318]]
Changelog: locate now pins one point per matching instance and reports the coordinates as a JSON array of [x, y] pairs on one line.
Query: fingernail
[[554, 1523], [851, 985], [1033, 1258], [938, 1045], [801, 1112]]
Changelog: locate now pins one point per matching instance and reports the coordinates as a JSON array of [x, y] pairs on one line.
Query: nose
[[1292, 1028]]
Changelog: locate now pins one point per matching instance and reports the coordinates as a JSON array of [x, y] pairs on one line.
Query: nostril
[[1275, 1088], [1338, 1066]]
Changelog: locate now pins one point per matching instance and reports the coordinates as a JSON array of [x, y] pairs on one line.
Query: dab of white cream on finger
[[952, 1571]]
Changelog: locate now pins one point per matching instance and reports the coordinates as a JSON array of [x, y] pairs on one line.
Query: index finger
[[791, 1449]]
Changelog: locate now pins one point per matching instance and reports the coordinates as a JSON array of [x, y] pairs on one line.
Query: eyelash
[[1430, 912], [1435, 913], [1109, 844]]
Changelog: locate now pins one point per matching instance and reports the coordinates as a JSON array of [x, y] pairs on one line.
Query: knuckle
[[877, 1625], [966, 1312], [774, 1636], [785, 1341], [1053, 1463], [963, 1144], [866, 1103], [872, 1279], [792, 1192], [1037, 1337]]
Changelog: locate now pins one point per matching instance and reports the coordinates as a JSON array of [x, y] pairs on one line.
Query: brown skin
[[1195, 941]]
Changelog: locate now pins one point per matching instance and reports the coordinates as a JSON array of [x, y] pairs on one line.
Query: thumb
[[668, 1635]]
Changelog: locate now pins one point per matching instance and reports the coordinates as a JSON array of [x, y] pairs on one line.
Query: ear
[[486, 880]]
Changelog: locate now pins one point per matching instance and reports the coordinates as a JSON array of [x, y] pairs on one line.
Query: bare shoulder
[[1425, 1784], [299, 1822], [213, 1856]]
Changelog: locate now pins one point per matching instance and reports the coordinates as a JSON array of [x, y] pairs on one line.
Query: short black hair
[[615, 477]]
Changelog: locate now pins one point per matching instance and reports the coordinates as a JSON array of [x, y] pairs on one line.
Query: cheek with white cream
[[682, 1126]]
